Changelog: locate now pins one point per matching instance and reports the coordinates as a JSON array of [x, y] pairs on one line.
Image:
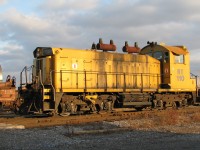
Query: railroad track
[[7, 114], [34, 122]]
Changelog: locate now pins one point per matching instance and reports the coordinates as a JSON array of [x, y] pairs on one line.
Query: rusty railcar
[[8, 92]]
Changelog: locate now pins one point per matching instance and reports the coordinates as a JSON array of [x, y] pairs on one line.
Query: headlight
[[38, 52]]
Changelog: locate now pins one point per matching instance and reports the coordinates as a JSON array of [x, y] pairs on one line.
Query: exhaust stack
[[106, 47], [131, 49]]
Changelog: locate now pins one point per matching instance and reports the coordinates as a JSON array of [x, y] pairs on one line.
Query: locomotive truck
[[71, 81]]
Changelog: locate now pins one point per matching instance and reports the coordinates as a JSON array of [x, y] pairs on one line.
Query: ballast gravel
[[100, 136]]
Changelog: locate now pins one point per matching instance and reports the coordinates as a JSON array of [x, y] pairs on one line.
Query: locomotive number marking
[[180, 75], [180, 78]]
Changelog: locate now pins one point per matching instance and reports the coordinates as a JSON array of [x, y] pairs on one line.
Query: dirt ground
[[168, 129], [137, 120]]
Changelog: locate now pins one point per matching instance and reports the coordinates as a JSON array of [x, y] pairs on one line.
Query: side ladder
[[48, 98]]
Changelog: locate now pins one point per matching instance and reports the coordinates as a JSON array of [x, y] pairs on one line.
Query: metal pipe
[[26, 74], [85, 81], [106, 80], [51, 81], [124, 82], [77, 80], [141, 82], [40, 80], [21, 75], [61, 80]]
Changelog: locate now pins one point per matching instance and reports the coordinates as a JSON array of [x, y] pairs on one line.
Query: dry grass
[[176, 117], [171, 118], [195, 117]]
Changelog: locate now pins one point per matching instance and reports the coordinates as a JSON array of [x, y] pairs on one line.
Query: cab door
[[163, 57], [166, 68]]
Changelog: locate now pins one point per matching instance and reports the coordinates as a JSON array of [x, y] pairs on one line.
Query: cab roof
[[178, 50]]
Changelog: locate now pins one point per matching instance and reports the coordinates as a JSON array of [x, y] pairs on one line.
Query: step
[[46, 90], [47, 97]]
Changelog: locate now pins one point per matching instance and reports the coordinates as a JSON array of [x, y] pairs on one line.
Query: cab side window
[[179, 59]]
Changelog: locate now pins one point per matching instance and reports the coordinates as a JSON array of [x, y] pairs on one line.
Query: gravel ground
[[169, 129], [103, 137]]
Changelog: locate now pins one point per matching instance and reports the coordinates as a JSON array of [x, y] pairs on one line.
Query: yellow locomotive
[[72, 81]]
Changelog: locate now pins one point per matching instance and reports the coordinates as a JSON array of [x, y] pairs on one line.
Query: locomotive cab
[[174, 66]]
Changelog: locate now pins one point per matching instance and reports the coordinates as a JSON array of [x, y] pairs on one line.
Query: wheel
[[139, 108], [154, 104], [184, 102], [68, 108], [160, 104], [179, 104], [107, 106], [65, 114], [174, 105], [73, 108]]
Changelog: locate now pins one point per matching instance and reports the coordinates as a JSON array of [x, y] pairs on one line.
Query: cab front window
[[150, 54], [158, 55]]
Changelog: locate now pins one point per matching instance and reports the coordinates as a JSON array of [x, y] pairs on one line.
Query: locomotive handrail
[[85, 81], [40, 80], [61, 80], [25, 69], [193, 75], [51, 82], [141, 82], [94, 72], [102, 82], [197, 88]]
